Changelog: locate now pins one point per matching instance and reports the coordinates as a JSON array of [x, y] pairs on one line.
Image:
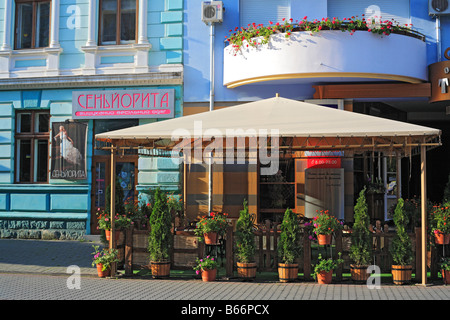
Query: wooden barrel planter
[[401, 274], [287, 272], [246, 271], [359, 273], [160, 269]]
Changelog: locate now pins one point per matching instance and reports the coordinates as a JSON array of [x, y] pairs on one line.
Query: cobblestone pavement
[[48, 287], [37, 270], [47, 257]]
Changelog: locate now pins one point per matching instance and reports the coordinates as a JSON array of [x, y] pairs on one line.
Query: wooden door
[[126, 174]]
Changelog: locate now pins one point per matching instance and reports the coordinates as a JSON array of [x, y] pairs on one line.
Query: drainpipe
[[211, 107], [438, 38], [211, 67]]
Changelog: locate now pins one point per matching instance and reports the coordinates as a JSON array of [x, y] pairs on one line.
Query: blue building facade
[[386, 76], [57, 56], [54, 50]]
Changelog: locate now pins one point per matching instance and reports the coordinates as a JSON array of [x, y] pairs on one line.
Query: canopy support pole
[[423, 182], [112, 239]]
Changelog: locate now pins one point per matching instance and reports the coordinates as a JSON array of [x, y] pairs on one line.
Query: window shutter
[[388, 9], [263, 11]]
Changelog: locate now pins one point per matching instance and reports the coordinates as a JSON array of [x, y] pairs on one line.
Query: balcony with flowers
[[328, 50]]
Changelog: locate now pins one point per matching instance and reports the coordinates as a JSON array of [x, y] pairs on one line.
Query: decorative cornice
[[100, 80]]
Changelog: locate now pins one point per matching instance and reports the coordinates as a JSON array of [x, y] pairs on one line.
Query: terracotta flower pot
[[401, 274], [287, 272], [246, 271], [446, 276], [324, 277], [210, 237], [442, 238], [359, 273], [108, 235], [160, 269], [209, 275], [324, 239], [103, 274]]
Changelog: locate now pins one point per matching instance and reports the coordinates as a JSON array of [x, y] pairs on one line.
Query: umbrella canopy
[[302, 126], [310, 125]]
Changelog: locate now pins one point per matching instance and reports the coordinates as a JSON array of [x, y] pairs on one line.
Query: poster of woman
[[68, 150]]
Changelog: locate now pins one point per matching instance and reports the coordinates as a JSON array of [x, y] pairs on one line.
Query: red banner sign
[[324, 162]]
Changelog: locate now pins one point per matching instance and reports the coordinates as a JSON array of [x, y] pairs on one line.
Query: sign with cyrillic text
[[121, 104]]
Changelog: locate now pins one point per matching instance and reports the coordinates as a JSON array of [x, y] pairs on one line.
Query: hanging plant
[[256, 35]]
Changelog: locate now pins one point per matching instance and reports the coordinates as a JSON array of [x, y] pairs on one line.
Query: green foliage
[[289, 245], [119, 207], [160, 240], [207, 263], [105, 257], [327, 265], [361, 248], [440, 216], [120, 221], [324, 223], [244, 237], [447, 191], [215, 222], [175, 204], [258, 34], [445, 264], [401, 247]]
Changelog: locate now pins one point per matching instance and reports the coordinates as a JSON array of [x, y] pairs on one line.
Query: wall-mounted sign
[[116, 104], [324, 159], [323, 162], [69, 140], [440, 80]]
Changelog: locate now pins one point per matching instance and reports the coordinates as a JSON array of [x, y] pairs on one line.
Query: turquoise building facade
[[78, 46]]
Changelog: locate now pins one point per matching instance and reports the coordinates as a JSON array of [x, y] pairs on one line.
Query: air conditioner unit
[[212, 11], [439, 7]]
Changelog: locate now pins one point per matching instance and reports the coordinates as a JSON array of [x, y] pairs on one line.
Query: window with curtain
[[117, 22], [32, 24], [263, 11]]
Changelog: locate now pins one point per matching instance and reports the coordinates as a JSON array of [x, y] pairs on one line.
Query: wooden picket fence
[[187, 248]]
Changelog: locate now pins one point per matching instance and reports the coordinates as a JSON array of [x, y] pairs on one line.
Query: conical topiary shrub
[[160, 240], [401, 247], [245, 245], [289, 247], [361, 247]]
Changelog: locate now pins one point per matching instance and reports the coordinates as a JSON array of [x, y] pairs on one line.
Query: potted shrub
[[207, 267], [401, 247], [289, 247], [324, 227], [209, 228], [160, 240], [445, 270], [323, 270], [245, 245], [103, 259], [441, 229], [361, 245]]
